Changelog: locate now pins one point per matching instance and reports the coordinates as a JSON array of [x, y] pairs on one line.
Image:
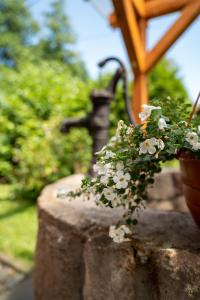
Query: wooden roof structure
[[132, 16]]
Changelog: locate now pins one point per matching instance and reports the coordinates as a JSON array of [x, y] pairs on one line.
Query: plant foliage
[[127, 164]]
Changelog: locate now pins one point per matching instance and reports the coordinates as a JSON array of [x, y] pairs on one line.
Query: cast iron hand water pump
[[97, 121]]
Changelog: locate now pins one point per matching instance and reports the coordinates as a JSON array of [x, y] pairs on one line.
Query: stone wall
[[76, 260]]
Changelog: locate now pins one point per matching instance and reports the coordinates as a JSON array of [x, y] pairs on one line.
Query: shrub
[[33, 103]]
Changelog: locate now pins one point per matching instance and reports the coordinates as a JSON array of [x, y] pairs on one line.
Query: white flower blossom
[[130, 130], [101, 151], [105, 178], [147, 111], [109, 194], [192, 138], [109, 154], [121, 179], [196, 146], [97, 198], [98, 167], [148, 146], [120, 126], [184, 123], [118, 233], [162, 124], [62, 193], [120, 166], [101, 169], [160, 144], [112, 141]]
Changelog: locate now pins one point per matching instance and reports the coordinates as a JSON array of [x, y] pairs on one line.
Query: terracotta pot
[[190, 174]]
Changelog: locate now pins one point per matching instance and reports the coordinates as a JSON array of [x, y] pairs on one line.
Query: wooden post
[[140, 88], [139, 94]]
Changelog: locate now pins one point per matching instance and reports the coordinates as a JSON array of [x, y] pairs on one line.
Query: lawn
[[18, 227]]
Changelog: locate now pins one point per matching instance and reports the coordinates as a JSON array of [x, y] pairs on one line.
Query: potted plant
[[127, 164]]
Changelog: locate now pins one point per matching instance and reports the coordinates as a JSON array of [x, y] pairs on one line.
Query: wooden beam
[[189, 14], [133, 28], [121, 19], [113, 20], [140, 91], [140, 7], [156, 8], [139, 95], [128, 24]]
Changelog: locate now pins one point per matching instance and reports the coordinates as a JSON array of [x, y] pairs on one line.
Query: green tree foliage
[[19, 37], [17, 28], [33, 102], [60, 39], [164, 80]]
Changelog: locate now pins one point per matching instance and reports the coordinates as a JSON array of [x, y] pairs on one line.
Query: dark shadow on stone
[[23, 290]]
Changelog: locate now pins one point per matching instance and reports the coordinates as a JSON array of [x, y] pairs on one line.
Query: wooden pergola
[[132, 16]]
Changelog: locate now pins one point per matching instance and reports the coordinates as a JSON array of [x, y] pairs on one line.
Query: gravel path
[[15, 283]]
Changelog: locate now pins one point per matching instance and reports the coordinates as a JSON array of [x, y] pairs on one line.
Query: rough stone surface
[[167, 185], [76, 260], [166, 193]]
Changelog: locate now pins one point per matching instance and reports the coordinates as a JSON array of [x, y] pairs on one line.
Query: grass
[[18, 227], [171, 164]]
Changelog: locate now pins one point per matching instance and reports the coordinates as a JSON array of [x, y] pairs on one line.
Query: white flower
[[118, 233], [150, 107], [120, 166], [98, 167], [105, 178], [192, 138], [121, 179], [101, 151], [109, 194], [97, 198], [147, 112], [62, 193], [101, 169], [148, 146], [160, 144], [144, 115], [112, 141], [196, 146], [109, 154], [130, 130], [183, 122], [162, 123], [198, 128], [120, 126]]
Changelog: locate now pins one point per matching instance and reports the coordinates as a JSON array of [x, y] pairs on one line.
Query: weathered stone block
[[76, 260]]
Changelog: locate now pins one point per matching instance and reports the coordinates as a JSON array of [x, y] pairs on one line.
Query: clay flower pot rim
[[187, 156]]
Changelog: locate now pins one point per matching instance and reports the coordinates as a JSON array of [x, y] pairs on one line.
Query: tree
[[60, 39], [34, 101], [17, 29], [164, 80]]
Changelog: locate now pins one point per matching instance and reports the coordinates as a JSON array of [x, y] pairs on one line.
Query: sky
[[96, 39]]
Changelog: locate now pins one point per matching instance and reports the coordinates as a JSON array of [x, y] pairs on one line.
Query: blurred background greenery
[[42, 81]]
